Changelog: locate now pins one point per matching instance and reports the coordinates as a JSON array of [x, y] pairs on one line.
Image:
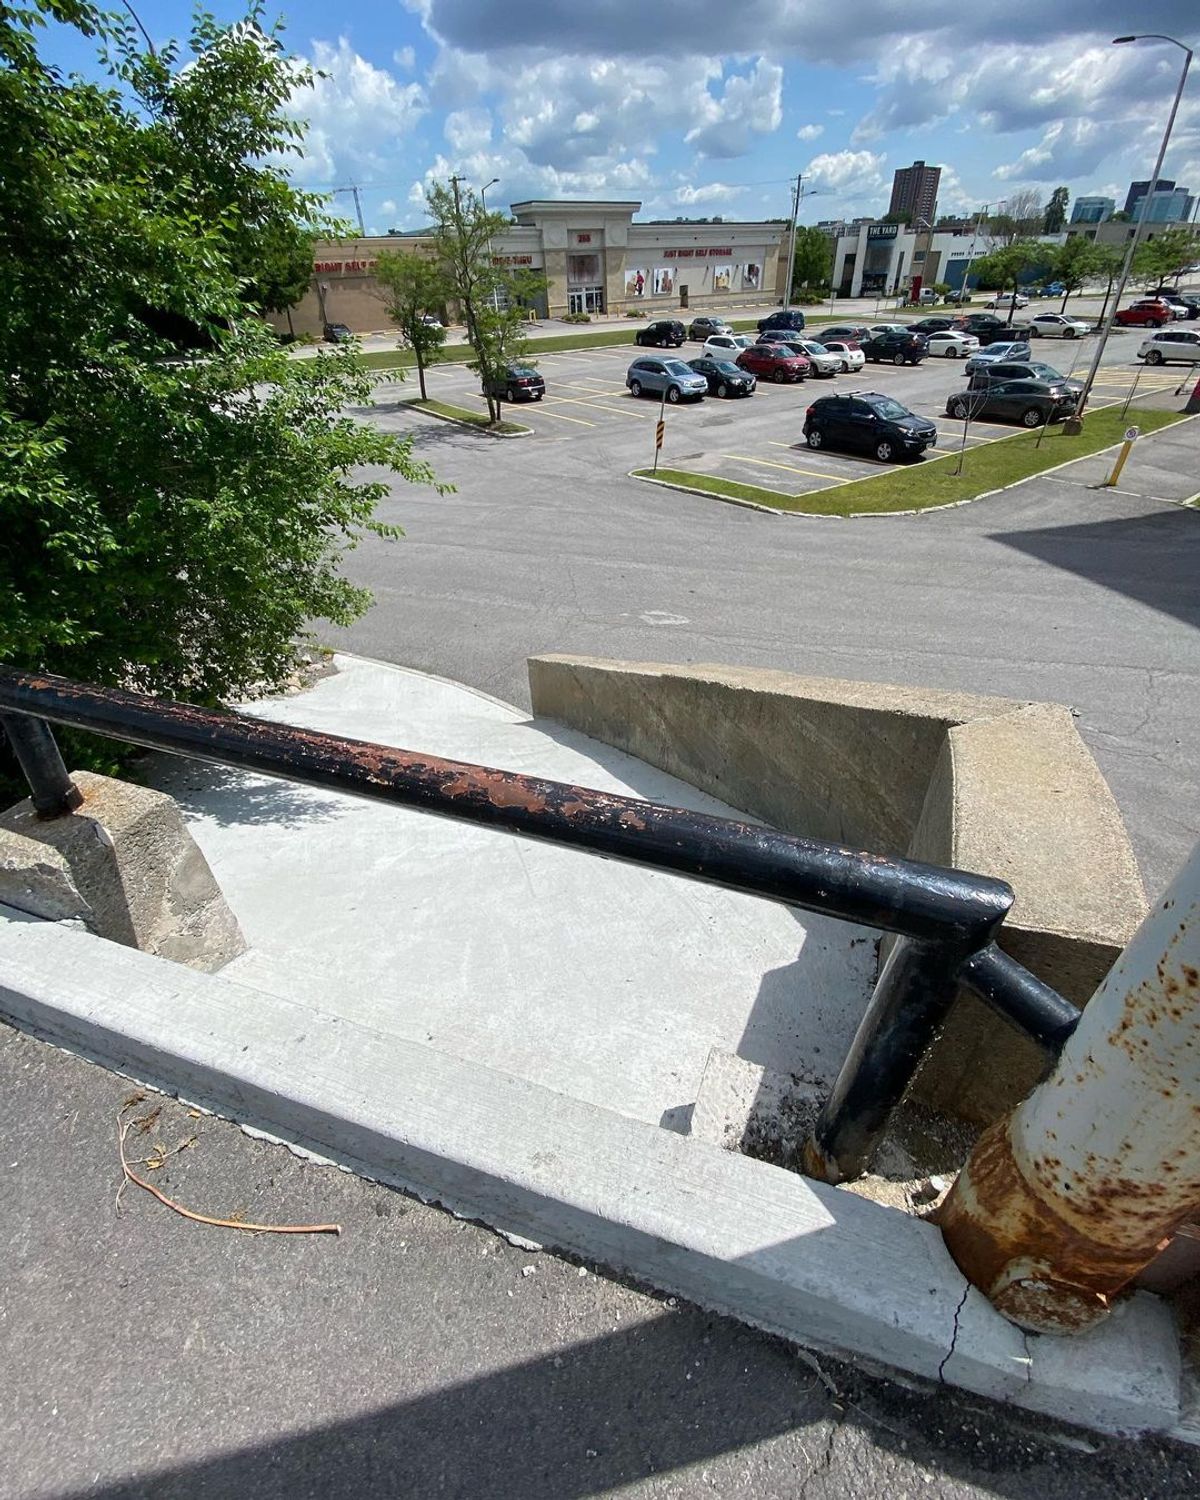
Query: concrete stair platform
[[507, 1029]]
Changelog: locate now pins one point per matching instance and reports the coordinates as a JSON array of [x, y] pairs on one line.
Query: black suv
[[870, 422], [1000, 370], [667, 333], [336, 333], [989, 329], [933, 325], [896, 348], [790, 318]]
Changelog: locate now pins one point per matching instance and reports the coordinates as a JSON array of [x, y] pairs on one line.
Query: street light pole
[[1074, 423], [791, 267], [483, 205]]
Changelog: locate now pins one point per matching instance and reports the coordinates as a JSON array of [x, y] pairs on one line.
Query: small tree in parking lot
[[1005, 267], [1076, 262], [492, 297], [412, 287]]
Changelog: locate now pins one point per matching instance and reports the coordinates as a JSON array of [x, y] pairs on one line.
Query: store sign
[[342, 267], [719, 253], [583, 239], [883, 231], [512, 260]]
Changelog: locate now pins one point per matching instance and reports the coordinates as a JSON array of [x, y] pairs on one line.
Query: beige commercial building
[[594, 258]]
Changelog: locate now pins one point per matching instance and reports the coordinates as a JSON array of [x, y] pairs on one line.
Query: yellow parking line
[[596, 406], [562, 416], [766, 463]]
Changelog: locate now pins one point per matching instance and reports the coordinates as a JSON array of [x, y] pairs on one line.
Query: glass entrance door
[[575, 301]]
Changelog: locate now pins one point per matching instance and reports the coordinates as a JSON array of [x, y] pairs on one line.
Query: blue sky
[[700, 107]]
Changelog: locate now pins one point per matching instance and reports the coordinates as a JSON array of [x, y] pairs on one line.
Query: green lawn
[[931, 483], [472, 418]]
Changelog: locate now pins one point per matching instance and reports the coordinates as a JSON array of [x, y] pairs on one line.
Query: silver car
[[823, 361], [993, 352], [655, 374]]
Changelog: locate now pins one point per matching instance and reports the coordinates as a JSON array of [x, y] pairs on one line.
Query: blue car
[[658, 373]]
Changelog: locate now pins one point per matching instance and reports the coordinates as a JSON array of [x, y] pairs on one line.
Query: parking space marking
[[561, 416], [767, 463], [597, 406]]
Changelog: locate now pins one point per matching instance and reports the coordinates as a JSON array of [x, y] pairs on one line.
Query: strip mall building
[[594, 257]]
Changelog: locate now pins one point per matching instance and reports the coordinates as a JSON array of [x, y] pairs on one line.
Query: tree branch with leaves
[[412, 286]]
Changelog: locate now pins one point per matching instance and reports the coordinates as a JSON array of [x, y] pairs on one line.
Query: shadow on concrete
[[1153, 559], [233, 798]]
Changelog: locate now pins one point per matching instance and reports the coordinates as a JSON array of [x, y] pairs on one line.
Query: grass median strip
[[926, 485], [470, 418]]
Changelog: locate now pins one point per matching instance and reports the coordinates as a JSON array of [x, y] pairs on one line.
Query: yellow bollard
[[1131, 437]]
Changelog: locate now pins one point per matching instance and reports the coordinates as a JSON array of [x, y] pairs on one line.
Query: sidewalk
[[1163, 465]]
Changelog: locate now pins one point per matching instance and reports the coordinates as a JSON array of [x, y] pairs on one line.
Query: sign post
[[660, 429], [1131, 437]]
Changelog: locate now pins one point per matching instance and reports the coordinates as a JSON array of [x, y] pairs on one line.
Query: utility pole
[[1063, 1202], [791, 268]]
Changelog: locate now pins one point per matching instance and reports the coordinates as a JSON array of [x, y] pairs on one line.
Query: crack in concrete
[[826, 1460], [941, 1374]]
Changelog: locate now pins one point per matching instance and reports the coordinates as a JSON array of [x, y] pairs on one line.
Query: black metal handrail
[[944, 920]]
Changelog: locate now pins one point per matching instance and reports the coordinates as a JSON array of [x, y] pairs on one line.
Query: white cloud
[[850, 172], [809, 132], [468, 130], [1068, 149], [405, 59], [749, 105], [388, 207], [708, 192], [357, 115]]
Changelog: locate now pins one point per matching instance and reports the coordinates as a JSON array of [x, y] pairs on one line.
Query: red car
[[773, 362], [1150, 313]]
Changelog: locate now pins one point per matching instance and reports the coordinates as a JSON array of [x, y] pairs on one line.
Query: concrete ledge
[[796, 1258], [986, 784], [126, 866]]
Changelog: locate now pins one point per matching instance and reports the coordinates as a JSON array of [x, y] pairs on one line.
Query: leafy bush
[[577, 317]]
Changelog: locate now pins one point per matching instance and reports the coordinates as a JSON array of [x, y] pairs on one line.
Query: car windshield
[[521, 370], [891, 411], [677, 367], [1046, 372], [726, 367]]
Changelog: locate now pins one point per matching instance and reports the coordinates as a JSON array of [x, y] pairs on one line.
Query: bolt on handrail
[[945, 919]]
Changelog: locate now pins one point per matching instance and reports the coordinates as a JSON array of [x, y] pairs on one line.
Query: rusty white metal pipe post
[[1065, 1200]]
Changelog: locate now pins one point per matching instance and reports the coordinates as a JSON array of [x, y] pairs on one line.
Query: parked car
[[851, 333], [670, 375], [1007, 299], [774, 362], [958, 295], [723, 376], [1002, 333], [1030, 402], [952, 344], [1190, 305], [704, 328], [999, 370], [1057, 326], [777, 336], [666, 333], [1052, 289], [823, 361], [1174, 344], [790, 318], [926, 297], [878, 328], [431, 322], [896, 348], [974, 322], [869, 422], [726, 345], [336, 333], [996, 351], [934, 325], [518, 383], [1149, 313], [849, 353]]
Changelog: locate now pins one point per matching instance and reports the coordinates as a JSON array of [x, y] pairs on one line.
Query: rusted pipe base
[[1035, 1267]]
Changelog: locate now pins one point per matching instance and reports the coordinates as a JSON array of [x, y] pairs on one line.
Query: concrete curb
[[818, 1266], [441, 416]]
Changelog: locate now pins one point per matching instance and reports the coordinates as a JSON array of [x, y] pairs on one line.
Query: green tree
[[413, 286], [813, 263], [170, 520], [1076, 262], [1167, 255], [491, 296], [1056, 211], [899, 216], [1108, 262], [1005, 267]]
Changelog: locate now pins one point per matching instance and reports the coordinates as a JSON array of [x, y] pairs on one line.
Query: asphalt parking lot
[[759, 440]]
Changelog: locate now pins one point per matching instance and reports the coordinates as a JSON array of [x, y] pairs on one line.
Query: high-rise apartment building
[[1092, 210], [915, 190]]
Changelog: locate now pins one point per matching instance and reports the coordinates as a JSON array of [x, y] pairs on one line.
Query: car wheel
[[635, 387], [884, 451], [897, 358], [1155, 322], [989, 304], [845, 367], [815, 438], [1068, 333], [778, 376], [510, 395], [672, 394], [1035, 333], [537, 395], [722, 389], [1154, 357], [1032, 418], [958, 410]]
